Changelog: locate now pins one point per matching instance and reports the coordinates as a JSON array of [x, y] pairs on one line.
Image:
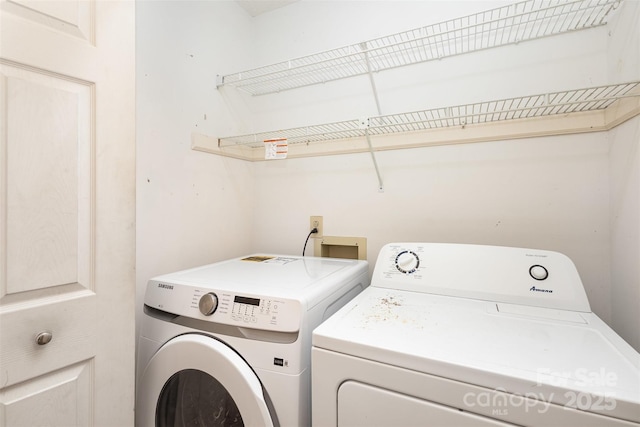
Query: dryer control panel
[[502, 274], [224, 307]]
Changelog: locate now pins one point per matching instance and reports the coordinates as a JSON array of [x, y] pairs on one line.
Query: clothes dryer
[[229, 343], [465, 335]]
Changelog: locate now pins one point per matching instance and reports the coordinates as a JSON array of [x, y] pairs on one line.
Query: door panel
[[44, 401], [48, 181], [73, 17], [67, 213]]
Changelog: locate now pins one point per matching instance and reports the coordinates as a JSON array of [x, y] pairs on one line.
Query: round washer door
[[197, 378]]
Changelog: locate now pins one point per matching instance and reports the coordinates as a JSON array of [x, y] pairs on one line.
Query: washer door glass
[[196, 380], [194, 398]]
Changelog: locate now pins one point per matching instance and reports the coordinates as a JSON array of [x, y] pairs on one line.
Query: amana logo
[[534, 289], [163, 286]]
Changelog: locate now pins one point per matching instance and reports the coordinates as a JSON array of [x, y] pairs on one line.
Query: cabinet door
[[67, 230]]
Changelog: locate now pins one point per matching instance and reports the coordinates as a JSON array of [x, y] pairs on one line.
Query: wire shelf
[[515, 23], [525, 107]]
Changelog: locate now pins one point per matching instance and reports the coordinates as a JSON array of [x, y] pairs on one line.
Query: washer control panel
[[250, 311], [502, 274]]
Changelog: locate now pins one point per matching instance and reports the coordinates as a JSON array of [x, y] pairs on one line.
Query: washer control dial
[[208, 304], [538, 272], [407, 262]]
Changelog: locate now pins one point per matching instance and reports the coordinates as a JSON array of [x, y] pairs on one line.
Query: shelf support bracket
[[375, 163], [365, 50], [363, 45]]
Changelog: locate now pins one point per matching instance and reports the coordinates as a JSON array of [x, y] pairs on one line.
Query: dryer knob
[[208, 304], [407, 262]]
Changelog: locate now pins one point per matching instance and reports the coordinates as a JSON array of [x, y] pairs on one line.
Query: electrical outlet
[[316, 222]]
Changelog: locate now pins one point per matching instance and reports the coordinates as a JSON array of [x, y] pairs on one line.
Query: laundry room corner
[[575, 193], [625, 234], [624, 173], [192, 208], [319, 213]]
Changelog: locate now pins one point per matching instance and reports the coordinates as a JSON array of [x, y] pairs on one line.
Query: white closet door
[[67, 212]]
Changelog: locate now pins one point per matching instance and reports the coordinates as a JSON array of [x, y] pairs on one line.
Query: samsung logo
[[534, 289], [163, 286]]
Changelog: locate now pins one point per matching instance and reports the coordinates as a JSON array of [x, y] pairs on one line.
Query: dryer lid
[[521, 349]]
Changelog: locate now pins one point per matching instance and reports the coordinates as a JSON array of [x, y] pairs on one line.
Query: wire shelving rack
[[514, 23], [524, 107]]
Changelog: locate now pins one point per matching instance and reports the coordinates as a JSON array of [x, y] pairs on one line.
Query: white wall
[[546, 193], [624, 65], [625, 231], [192, 208]]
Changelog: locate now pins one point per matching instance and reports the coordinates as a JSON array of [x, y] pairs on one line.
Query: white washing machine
[[464, 335], [228, 344]]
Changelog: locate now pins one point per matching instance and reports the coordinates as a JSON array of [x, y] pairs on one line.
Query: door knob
[[43, 338]]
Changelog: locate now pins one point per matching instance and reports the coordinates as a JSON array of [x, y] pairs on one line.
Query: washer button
[[538, 272]]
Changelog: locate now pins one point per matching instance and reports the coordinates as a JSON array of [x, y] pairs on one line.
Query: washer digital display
[[246, 300]]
